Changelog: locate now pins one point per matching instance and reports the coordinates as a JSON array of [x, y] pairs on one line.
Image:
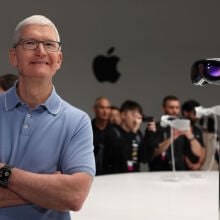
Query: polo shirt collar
[[53, 103]]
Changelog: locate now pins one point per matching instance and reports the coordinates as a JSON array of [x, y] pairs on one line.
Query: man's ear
[[59, 60], [12, 57]]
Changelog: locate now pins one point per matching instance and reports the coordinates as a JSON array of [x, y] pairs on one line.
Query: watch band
[[5, 173]]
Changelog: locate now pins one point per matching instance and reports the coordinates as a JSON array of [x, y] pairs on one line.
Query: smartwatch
[[5, 173]]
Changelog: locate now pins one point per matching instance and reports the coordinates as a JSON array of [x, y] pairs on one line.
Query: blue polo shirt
[[55, 136]]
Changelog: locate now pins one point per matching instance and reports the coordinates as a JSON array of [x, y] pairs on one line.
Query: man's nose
[[40, 48]]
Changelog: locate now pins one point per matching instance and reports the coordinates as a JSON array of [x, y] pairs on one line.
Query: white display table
[[147, 196]]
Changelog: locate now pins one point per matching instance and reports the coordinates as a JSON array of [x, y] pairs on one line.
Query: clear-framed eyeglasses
[[32, 44]]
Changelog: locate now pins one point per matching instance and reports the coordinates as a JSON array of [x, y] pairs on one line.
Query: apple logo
[[105, 67]]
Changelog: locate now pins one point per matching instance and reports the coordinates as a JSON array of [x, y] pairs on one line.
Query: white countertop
[[148, 196]]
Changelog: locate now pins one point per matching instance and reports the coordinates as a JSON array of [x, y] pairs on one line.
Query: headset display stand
[[175, 123]]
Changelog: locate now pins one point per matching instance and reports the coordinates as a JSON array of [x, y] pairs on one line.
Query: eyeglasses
[[51, 46]]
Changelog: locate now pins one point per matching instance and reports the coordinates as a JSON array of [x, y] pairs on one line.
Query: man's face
[[131, 119], [38, 63], [115, 116], [190, 115], [102, 109], [172, 107]]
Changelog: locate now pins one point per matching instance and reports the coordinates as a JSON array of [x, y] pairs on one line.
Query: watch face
[[4, 174]]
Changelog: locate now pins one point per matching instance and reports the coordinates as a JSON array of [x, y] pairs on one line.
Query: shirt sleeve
[[79, 152]]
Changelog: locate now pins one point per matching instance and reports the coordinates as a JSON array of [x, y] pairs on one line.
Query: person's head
[[102, 108], [131, 114], [7, 81], [188, 110], [171, 105], [36, 48], [115, 115]]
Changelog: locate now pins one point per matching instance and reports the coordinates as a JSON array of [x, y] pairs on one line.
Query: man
[[184, 142], [188, 111], [46, 140], [106, 142], [129, 136], [101, 131], [7, 81], [115, 115]]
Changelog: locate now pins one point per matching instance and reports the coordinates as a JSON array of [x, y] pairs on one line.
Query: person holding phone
[[157, 142]]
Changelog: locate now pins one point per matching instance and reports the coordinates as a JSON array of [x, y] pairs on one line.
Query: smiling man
[[46, 146]]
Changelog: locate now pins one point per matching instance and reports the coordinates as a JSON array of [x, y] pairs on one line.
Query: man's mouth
[[39, 62]]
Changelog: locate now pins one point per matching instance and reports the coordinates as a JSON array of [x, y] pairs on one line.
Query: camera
[[206, 71]]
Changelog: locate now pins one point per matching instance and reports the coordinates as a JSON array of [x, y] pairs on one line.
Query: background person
[[129, 136], [184, 143], [107, 144], [188, 111], [7, 81], [101, 132], [115, 115]]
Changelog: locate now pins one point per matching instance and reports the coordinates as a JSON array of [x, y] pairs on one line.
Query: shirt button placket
[[27, 124]]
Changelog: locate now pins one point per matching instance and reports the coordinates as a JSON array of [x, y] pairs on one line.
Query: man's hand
[[193, 166], [151, 126], [188, 133], [177, 133]]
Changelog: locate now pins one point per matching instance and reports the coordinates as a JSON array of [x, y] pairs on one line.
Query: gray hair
[[35, 19]]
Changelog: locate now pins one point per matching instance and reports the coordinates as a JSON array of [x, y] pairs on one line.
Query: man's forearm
[[196, 147], [52, 191], [9, 198], [163, 146]]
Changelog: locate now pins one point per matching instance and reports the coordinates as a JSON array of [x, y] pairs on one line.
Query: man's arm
[[164, 145], [52, 191], [196, 147], [9, 198], [151, 139], [198, 165], [151, 146]]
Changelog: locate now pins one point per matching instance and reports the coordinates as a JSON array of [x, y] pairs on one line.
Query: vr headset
[[206, 71]]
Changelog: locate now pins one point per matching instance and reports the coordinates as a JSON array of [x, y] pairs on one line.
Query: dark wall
[[157, 41]]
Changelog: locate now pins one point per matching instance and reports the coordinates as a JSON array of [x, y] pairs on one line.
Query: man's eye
[[30, 42], [49, 44]]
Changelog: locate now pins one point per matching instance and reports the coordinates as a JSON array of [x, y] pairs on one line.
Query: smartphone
[[148, 118]]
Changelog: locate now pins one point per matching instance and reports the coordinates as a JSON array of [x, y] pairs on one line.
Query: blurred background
[[156, 42]]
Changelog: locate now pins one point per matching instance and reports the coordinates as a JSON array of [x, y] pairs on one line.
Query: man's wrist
[[192, 138], [5, 174]]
